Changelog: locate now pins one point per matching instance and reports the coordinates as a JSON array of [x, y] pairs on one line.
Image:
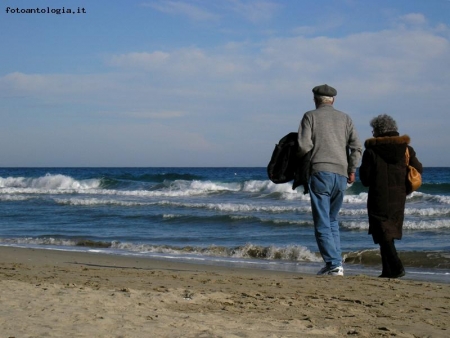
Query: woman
[[383, 170]]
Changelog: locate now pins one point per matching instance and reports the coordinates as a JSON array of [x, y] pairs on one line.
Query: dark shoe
[[398, 275]]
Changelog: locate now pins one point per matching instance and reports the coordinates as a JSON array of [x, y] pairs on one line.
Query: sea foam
[[48, 182]]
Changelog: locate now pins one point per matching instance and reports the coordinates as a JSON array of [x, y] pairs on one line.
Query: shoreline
[[352, 268], [60, 293]]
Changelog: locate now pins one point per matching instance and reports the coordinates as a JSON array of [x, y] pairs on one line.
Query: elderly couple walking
[[329, 137]]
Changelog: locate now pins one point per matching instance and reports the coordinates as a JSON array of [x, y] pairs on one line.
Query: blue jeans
[[327, 194]]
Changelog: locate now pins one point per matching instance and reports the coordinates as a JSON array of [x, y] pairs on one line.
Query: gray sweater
[[331, 136]]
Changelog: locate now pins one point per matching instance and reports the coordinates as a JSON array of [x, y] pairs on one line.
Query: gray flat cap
[[324, 90]]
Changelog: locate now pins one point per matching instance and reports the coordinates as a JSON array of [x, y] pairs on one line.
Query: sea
[[218, 216]]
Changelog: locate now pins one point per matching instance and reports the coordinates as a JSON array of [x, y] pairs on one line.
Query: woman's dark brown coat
[[383, 170]]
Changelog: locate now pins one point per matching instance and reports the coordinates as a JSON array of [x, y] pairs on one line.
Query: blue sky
[[213, 83]]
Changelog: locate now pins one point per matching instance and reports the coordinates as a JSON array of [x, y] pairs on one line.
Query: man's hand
[[351, 178]]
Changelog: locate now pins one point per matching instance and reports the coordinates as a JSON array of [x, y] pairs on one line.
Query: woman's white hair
[[383, 124]]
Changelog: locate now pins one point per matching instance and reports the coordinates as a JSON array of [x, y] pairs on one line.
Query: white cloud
[[255, 11], [306, 30], [247, 94], [140, 60], [414, 19], [381, 62], [181, 63], [184, 9]]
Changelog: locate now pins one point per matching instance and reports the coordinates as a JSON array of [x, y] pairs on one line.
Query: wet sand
[[47, 293]]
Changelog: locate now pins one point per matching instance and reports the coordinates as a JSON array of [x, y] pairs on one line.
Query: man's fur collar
[[387, 140]]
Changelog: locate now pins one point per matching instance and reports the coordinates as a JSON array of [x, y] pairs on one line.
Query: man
[[335, 153]]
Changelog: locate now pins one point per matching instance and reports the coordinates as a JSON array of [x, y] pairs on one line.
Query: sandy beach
[[65, 294]]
